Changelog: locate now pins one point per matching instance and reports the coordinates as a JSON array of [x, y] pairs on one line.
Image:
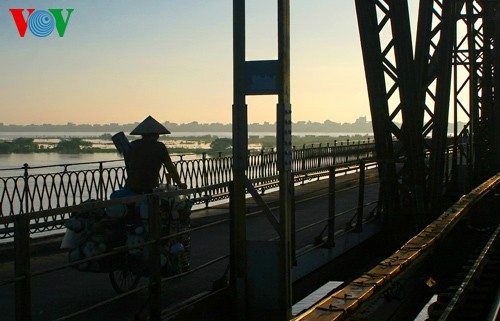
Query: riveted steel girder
[[243, 272], [377, 68], [494, 132], [483, 111], [474, 61], [409, 96], [435, 39]]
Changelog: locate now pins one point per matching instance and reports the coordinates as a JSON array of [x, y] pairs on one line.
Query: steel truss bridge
[[414, 89], [449, 73]]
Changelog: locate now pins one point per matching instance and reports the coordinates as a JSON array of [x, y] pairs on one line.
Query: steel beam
[[495, 111], [284, 150], [413, 171], [375, 72], [476, 57], [483, 96], [245, 274], [240, 164], [466, 59], [487, 149], [433, 58], [409, 96]]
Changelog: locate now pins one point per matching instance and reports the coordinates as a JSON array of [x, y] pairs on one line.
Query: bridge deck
[[61, 293]]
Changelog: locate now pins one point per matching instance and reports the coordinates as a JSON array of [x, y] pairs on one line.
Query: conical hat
[[149, 126]]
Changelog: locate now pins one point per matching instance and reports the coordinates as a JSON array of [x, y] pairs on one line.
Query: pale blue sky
[[121, 60]]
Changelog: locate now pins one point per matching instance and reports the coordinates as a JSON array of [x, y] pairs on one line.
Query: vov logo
[[41, 23]]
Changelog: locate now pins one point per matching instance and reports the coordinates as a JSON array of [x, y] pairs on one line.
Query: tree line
[[28, 145], [361, 125]]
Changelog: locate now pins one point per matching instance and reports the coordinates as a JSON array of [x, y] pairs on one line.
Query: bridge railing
[[23, 278], [48, 187]]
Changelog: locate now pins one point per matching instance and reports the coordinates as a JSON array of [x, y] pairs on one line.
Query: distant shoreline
[[173, 135], [186, 144], [361, 125]]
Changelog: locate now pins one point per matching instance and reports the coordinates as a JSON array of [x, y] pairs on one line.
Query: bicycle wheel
[[123, 280]]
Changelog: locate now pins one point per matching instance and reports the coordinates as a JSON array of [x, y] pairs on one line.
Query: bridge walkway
[[64, 292]]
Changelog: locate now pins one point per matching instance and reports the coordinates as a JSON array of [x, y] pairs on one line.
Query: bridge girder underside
[[412, 98]]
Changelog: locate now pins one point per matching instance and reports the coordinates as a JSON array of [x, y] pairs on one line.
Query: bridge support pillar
[[252, 78]]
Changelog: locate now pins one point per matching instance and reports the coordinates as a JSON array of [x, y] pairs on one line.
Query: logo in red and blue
[[41, 23]]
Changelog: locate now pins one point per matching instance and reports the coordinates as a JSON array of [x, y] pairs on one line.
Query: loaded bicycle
[[91, 234]]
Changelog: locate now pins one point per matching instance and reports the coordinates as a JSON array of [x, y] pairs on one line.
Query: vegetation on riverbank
[[360, 125], [177, 145]]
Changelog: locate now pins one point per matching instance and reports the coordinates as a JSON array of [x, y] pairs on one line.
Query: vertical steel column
[[26, 190], [482, 109], [487, 138], [423, 84], [284, 150], [153, 202], [331, 205], [477, 84], [467, 59], [443, 58], [413, 172], [374, 62], [390, 71], [240, 161], [484, 120], [100, 192], [495, 112], [22, 267], [278, 263], [472, 13], [361, 197]]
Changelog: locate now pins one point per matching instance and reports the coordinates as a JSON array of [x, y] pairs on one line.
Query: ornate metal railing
[[360, 212], [47, 187]]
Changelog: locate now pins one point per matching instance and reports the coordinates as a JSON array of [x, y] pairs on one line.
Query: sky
[[122, 60]]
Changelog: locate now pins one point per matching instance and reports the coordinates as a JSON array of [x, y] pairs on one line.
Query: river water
[[12, 164]]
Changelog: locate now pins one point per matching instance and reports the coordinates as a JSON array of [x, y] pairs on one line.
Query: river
[[12, 164]]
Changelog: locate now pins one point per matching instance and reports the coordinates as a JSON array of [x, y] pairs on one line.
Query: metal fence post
[[328, 155], [232, 240], [101, 182], [262, 169], [447, 166], [205, 176], [319, 156], [335, 152], [293, 239], [331, 206], [22, 267], [26, 191], [304, 157], [346, 151], [154, 257], [262, 164], [361, 196]]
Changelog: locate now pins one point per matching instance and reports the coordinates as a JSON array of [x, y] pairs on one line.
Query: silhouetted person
[[146, 156]]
